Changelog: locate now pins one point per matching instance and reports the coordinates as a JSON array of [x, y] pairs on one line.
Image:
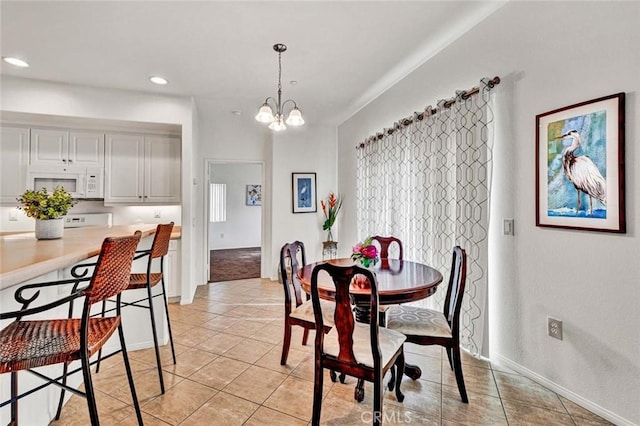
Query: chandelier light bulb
[[295, 118], [277, 124], [15, 62], [265, 114]]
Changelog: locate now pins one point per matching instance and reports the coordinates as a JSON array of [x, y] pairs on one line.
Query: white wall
[[243, 225], [549, 54], [311, 148], [40, 97]]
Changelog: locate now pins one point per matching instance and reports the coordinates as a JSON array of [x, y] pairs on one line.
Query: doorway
[[235, 220]]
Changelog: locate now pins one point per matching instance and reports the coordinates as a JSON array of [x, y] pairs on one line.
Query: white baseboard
[[571, 396]]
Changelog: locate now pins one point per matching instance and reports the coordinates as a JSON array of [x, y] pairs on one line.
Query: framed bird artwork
[[580, 166], [304, 192]]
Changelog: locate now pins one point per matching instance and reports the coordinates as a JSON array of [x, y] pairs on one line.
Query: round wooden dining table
[[399, 281]]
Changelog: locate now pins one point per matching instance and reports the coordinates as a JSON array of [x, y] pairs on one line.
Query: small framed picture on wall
[[254, 195], [304, 192]]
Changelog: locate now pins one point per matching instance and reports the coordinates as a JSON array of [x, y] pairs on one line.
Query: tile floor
[[228, 345]]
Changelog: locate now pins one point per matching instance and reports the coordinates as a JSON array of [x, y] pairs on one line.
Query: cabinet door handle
[[145, 196], [70, 160], [64, 160], [139, 196]]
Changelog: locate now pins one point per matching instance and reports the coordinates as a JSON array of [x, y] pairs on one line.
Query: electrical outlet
[[157, 214], [507, 227], [13, 215], [554, 328], [221, 235]]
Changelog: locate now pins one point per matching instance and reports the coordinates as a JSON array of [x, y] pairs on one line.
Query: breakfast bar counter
[[22, 257]]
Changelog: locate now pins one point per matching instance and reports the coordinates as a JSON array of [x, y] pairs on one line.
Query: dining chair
[[428, 327], [137, 281], [28, 344], [385, 243], [365, 351], [293, 254]]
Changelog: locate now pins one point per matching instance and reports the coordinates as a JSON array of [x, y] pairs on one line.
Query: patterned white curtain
[[428, 183]]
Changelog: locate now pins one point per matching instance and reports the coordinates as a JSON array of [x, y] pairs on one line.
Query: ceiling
[[342, 54]]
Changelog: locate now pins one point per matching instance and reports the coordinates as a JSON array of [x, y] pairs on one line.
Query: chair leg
[[450, 356], [305, 336], [104, 308], [166, 311], [88, 388], [155, 339], [127, 366], [14, 401], [399, 365], [65, 369], [358, 392], [392, 382], [317, 393], [286, 343], [457, 369], [377, 399]]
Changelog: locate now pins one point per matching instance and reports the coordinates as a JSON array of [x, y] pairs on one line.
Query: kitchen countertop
[[22, 257]]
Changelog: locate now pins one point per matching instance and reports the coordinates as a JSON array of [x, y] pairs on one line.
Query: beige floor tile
[[179, 402], [481, 409], [470, 360], [148, 356], [271, 360], [430, 366], [192, 316], [496, 366], [270, 333], [522, 414], [220, 343], [222, 409], [249, 350], [219, 372], [255, 384], [525, 390], [147, 386], [190, 361], [148, 420], [194, 337], [178, 327], [245, 328], [430, 350], [476, 379], [294, 397], [266, 416], [221, 323], [110, 411], [580, 415]]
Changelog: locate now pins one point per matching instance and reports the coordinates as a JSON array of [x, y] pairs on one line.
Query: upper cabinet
[[14, 146], [55, 147], [142, 169]]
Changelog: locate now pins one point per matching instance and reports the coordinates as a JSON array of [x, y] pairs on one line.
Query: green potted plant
[[47, 209]]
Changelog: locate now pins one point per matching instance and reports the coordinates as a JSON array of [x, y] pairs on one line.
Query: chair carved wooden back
[[385, 243], [294, 255]]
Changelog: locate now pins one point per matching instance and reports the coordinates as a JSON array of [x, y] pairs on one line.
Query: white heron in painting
[[582, 173]]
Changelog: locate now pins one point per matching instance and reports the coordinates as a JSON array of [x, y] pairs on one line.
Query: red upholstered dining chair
[[159, 249], [365, 351], [28, 344], [428, 327], [385, 243], [298, 310]]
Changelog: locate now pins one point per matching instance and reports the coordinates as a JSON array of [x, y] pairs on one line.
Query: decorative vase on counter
[[49, 229]]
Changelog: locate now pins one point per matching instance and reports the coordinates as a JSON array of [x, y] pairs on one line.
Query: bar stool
[[25, 345], [148, 280]]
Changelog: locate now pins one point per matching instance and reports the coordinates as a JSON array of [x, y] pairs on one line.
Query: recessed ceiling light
[[15, 62], [236, 112], [158, 80], [293, 82]]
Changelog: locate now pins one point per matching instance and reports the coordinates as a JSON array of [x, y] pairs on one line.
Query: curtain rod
[[428, 111]]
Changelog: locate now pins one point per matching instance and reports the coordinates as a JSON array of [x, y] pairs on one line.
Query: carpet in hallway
[[234, 264]]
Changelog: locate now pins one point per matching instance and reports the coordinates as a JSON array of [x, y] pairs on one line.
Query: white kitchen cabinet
[[55, 147], [172, 269], [14, 145], [142, 169]]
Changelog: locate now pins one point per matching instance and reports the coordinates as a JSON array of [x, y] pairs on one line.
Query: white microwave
[[80, 182]]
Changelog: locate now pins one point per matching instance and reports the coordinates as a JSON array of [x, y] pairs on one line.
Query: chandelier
[[265, 113]]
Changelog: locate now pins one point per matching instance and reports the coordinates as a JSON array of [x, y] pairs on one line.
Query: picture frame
[[254, 195], [580, 175], [304, 199]]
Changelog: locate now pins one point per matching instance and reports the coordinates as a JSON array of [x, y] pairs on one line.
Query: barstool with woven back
[[25, 345], [148, 280]]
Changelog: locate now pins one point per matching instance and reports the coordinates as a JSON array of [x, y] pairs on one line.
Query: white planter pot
[[49, 229]]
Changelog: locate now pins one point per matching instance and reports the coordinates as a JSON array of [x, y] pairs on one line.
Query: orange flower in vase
[[365, 252], [330, 209]]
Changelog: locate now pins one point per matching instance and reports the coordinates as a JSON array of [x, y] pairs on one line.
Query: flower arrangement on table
[[44, 205], [330, 210], [365, 252]]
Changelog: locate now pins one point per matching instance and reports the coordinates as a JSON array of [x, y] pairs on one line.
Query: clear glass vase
[[329, 235]]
